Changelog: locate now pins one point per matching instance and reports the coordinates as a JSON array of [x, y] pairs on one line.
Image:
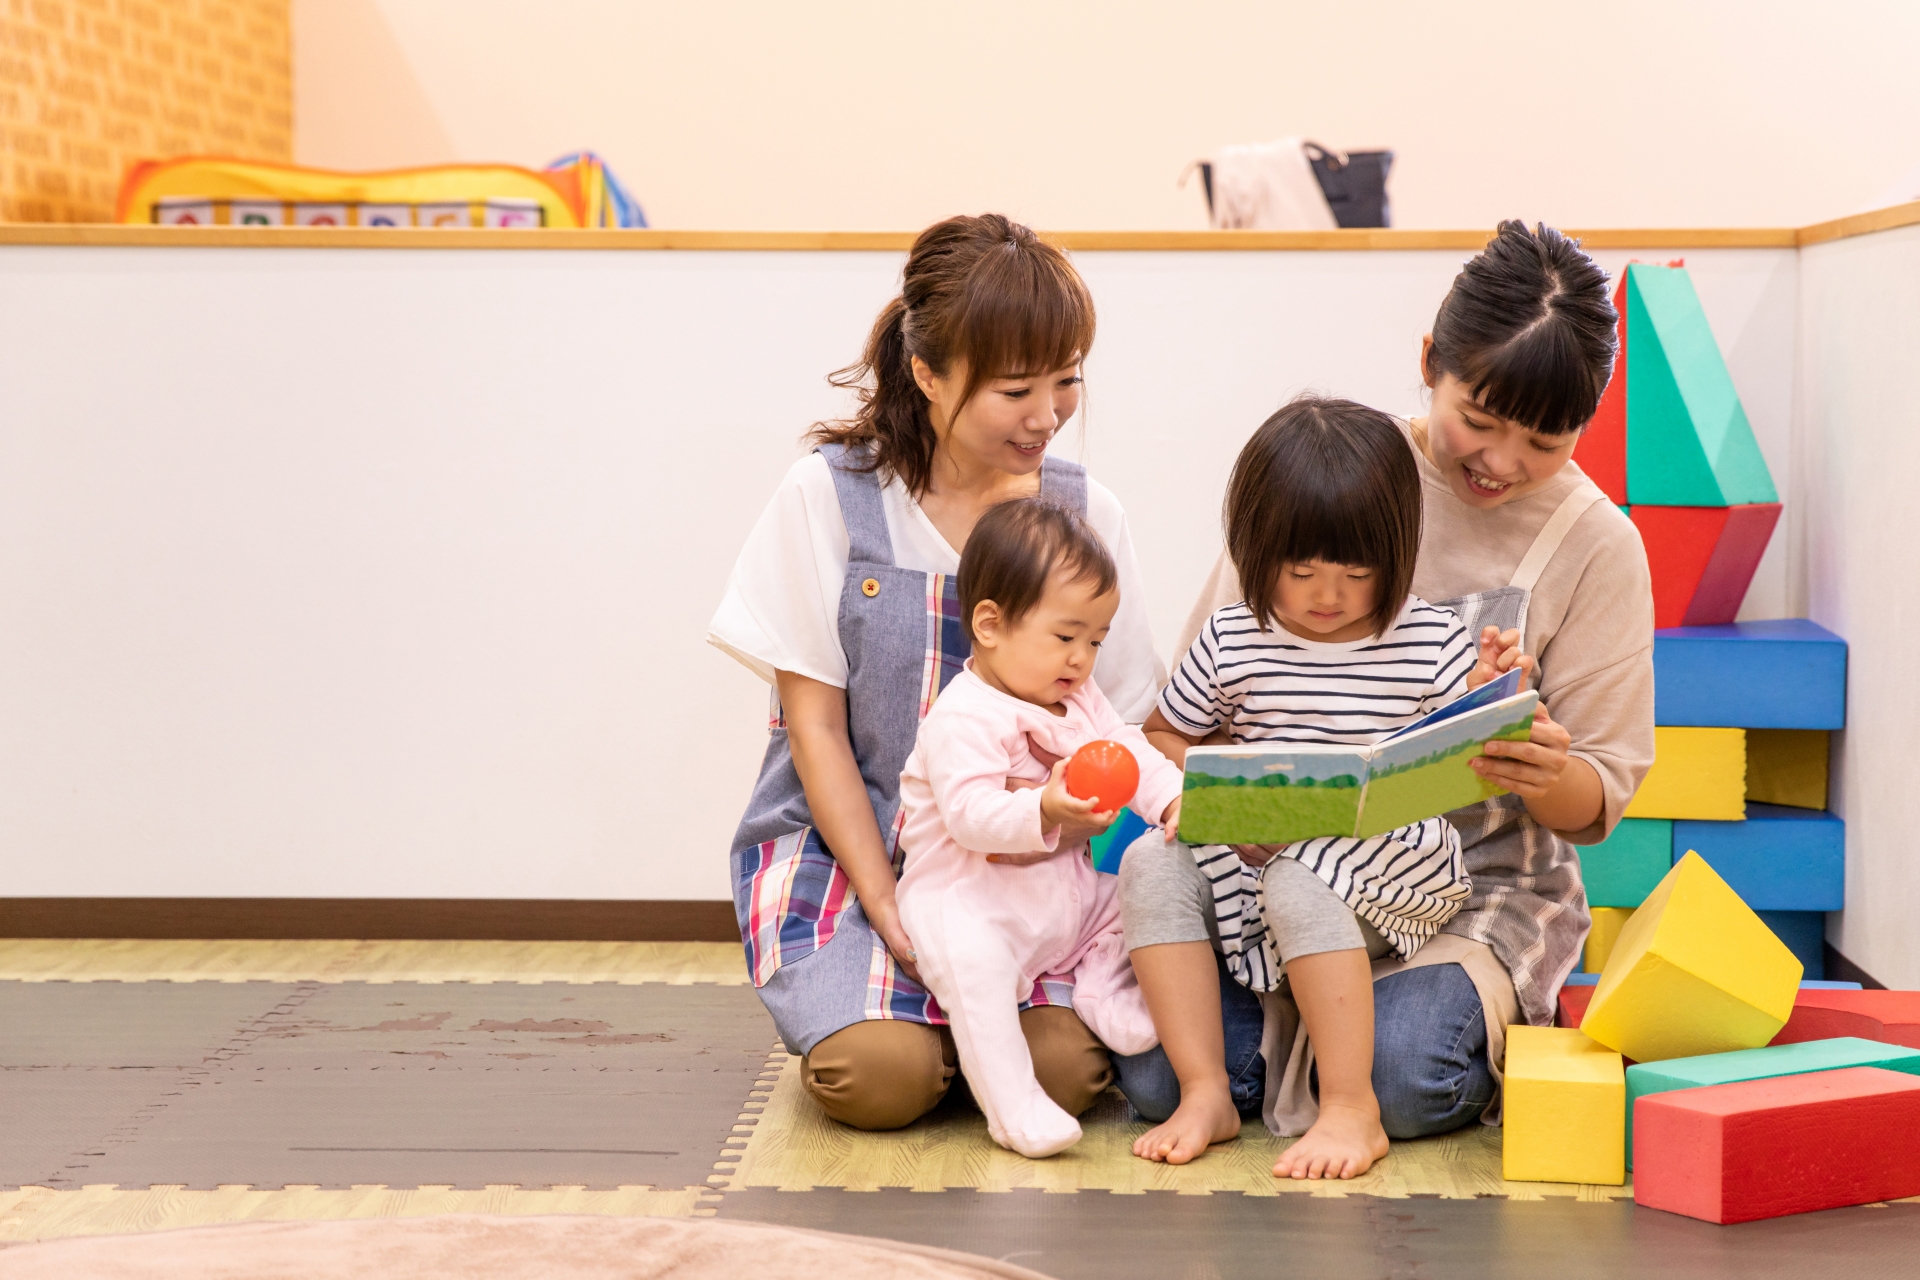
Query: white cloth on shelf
[[1268, 186]]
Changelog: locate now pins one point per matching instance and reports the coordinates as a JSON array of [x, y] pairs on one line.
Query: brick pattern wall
[[87, 87]]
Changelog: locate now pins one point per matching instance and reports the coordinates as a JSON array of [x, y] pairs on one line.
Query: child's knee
[[1163, 895], [880, 1074], [1069, 1061]]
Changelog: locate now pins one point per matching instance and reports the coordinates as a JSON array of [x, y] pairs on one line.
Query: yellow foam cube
[[1566, 1108], [1607, 924], [1694, 971], [1787, 766], [1697, 773]]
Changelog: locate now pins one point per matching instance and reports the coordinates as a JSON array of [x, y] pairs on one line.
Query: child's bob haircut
[[1327, 480], [1017, 546]]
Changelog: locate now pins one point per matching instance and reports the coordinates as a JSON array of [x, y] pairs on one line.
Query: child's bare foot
[[1205, 1116], [1343, 1143]]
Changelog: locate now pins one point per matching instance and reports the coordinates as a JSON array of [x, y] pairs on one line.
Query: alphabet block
[[1767, 1148], [1779, 859], [1645, 1079], [1688, 440], [1607, 924], [1621, 870], [1702, 558], [1697, 773], [1694, 971], [1565, 1109], [1785, 674], [1892, 1017], [1787, 766]]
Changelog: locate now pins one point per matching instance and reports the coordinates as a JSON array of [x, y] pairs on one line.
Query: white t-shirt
[[782, 607]]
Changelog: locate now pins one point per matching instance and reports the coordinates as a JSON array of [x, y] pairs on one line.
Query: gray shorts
[[1164, 897]]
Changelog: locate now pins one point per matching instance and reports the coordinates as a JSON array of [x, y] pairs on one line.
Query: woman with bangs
[[1516, 538], [845, 599]]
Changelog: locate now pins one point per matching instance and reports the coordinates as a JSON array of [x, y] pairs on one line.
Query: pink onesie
[[983, 931]]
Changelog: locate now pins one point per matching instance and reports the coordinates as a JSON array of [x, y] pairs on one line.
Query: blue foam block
[[1111, 845], [1779, 859], [1786, 674], [1805, 933]]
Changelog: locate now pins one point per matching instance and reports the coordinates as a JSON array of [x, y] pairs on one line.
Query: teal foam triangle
[[1688, 440]]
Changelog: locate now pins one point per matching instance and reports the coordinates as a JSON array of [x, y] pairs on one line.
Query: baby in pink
[[993, 897]]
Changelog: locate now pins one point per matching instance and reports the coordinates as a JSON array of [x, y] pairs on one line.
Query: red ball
[[1105, 772]]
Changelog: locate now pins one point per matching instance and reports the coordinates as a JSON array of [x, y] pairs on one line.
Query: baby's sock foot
[[1039, 1129]]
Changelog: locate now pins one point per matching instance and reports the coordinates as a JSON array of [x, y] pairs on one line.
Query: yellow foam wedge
[[1566, 1108], [1694, 971], [1697, 773], [1607, 924]]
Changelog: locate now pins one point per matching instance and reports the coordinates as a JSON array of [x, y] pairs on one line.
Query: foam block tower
[[1694, 971], [1671, 443]]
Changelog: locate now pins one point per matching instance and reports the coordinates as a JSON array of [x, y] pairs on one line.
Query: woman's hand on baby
[[1499, 653], [1528, 769], [885, 919]]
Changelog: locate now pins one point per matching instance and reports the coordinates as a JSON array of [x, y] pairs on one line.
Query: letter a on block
[[1695, 971], [1566, 1113], [1688, 440]]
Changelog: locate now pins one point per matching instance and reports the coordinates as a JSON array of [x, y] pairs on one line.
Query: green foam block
[[1688, 440], [1623, 869], [1645, 1078]]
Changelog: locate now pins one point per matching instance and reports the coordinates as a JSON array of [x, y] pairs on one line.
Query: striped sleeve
[[1452, 665], [1192, 701]]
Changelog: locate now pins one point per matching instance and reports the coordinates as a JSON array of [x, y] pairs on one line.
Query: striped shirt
[[1273, 686]]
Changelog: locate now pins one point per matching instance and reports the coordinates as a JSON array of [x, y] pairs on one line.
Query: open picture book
[[1277, 793]]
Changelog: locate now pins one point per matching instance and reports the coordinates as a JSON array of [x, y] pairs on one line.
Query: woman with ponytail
[[845, 600]]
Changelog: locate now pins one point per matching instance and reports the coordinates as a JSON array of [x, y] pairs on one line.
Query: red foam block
[[1891, 1017], [1768, 1148], [1602, 449], [1573, 1005], [1703, 558]]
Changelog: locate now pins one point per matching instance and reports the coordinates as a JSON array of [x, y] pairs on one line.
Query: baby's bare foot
[[1343, 1143], [1205, 1116]]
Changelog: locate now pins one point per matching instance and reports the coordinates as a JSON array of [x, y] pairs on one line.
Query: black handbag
[[1355, 183]]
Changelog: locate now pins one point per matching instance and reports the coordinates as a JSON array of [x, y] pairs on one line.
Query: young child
[[1037, 593], [1323, 521]]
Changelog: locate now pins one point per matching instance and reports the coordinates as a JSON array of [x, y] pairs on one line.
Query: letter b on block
[[1695, 971]]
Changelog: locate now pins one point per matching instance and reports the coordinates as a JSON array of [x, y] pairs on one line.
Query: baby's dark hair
[[1016, 546], [1529, 329], [1331, 480]]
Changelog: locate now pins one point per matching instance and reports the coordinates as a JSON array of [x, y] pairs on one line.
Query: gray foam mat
[[1094, 1235], [403, 1084]]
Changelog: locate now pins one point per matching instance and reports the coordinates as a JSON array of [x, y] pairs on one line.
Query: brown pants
[[884, 1073]]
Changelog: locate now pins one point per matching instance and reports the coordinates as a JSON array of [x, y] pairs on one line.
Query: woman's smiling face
[[1488, 460], [1007, 422]]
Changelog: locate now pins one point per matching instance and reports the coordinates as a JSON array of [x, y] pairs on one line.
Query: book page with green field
[[1423, 774], [1271, 795]]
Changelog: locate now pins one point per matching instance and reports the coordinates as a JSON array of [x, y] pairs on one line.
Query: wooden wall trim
[[416, 919], [1860, 224], [1357, 240]]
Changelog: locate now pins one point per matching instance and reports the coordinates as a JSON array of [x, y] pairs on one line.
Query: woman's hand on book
[[1529, 769]]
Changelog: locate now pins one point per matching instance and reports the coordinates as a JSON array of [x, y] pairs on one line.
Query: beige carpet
[[475, 1247]]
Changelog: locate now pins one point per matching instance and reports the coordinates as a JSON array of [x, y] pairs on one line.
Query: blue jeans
[[1429, 1054]]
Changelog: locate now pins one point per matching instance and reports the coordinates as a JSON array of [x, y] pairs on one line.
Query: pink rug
[[478, 1247]]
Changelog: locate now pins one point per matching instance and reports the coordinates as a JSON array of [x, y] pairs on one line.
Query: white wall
[[1857, 451], [385, 573], [1082, 113]]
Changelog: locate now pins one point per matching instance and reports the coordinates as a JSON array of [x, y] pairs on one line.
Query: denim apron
[[817, 963]]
